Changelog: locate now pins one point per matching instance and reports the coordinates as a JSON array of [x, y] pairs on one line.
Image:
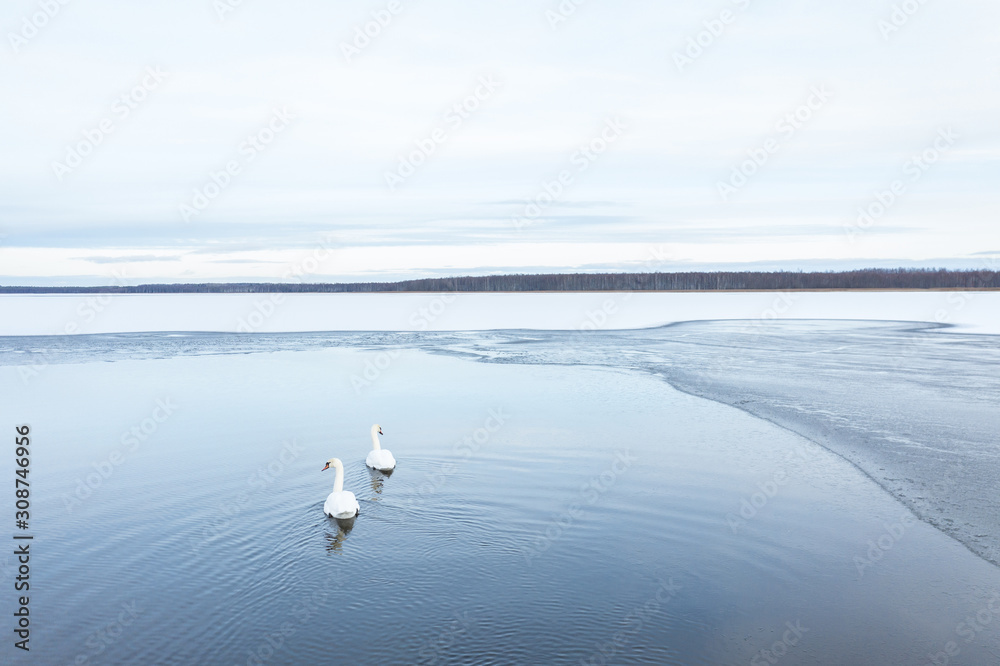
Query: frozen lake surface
[[560, 502], [969, 312], [913, 406]]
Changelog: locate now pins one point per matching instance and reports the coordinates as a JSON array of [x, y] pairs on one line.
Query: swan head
[[376, 429], [335, 462]]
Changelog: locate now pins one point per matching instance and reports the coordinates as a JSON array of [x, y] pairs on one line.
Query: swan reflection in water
[[335, 544], [378, 480]]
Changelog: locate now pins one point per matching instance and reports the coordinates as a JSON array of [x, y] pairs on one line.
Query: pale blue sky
[[337, 126]]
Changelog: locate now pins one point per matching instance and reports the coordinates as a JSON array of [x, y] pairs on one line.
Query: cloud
[[685, 131], [245, 261], [560, 204], [129, 258]]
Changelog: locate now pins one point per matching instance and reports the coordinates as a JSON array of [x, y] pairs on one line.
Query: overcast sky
[[634, 135]]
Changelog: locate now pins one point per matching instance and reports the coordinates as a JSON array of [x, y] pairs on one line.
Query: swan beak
[[326, 468], [380, 431]]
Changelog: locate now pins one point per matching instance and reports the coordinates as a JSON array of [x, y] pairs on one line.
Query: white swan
[[341, 503], [379, 458]]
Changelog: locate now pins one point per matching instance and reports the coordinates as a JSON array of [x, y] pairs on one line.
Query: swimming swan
[[341, 503], [379, 458]]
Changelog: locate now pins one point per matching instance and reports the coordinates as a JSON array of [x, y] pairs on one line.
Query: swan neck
[[338, 480], [376, 445]]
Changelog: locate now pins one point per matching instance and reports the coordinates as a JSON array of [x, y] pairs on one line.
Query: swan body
[[379, 458], [341, 503]]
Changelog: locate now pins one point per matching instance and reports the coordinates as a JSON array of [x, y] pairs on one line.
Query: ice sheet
[[974, 312]]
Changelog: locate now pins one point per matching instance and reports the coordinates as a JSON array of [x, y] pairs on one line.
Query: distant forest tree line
[[872, 278]]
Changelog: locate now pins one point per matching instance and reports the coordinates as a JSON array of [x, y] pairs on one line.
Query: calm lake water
[[538, 514]]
